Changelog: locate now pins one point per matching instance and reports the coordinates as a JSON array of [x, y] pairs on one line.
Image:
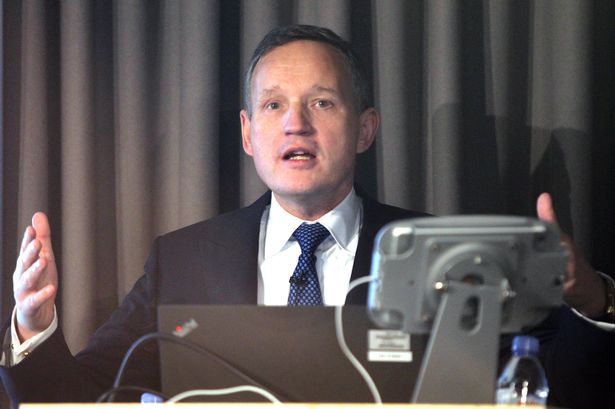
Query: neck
[[310, 208]]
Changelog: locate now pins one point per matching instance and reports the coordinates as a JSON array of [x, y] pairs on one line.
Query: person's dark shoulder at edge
[[222, 225], [387, 212]]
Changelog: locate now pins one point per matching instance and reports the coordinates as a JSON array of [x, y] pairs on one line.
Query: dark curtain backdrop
[[121, 120]]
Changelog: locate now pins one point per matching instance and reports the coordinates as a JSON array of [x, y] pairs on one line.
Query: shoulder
[[384, 213], [183, 248], [223, 226]]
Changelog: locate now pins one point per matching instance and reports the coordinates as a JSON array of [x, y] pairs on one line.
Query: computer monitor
[[464, 280]]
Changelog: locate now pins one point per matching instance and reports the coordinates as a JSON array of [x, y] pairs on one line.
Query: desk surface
[[258, 406]]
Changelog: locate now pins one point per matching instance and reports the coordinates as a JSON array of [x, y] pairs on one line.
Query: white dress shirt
[[279, 251]]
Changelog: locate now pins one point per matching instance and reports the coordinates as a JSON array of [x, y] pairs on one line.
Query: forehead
[[302, 61]]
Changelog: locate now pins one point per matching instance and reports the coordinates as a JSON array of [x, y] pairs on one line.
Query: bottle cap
[[147, 397], [525, 345]]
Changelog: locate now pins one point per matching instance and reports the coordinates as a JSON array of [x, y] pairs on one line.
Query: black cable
[[190, 345]]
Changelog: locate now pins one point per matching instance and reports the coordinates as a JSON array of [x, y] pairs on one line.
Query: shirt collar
[[343, 223]]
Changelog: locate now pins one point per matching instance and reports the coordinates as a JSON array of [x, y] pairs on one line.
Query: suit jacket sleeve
[[579, 361], [212, 262], [51, 373]]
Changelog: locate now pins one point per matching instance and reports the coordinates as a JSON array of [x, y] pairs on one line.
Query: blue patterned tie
[[304, 286]]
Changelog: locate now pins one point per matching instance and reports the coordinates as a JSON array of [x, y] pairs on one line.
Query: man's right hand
[[35, 281]]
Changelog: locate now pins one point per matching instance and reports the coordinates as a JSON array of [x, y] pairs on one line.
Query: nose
[[297, 121]]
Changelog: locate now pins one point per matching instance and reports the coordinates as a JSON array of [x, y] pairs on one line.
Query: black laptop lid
[[292, 352]]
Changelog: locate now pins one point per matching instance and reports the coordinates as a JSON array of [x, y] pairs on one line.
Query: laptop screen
[[292, 352]]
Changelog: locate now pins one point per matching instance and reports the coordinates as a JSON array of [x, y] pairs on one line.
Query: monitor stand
[[460, 362]]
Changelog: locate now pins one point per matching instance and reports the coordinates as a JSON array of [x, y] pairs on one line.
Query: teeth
[[298, 155]]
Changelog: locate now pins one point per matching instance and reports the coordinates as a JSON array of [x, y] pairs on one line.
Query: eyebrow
[[269, 91], [315, 88], [325, 89]]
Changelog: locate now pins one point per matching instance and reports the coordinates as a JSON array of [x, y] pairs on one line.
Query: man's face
[[305, 131]]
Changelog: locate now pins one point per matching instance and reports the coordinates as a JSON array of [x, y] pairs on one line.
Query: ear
[[245, 132], [368, 125]]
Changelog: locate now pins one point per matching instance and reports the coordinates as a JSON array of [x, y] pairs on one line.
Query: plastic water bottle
[[523, 381]]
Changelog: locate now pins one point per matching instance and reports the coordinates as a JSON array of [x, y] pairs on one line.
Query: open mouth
[[298, 155]]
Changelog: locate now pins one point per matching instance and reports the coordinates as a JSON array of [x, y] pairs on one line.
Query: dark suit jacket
[[211, 262], [215, 262]]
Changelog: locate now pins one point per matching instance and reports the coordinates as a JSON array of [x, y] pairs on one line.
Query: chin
[[296, 191], [306, 190]]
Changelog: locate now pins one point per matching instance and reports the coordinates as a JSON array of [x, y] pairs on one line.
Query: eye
[[323, 103], [272, 105]]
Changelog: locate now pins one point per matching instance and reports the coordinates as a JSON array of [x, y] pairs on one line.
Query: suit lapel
[[363, 257], [230, 255]]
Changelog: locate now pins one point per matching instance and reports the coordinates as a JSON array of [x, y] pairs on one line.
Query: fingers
[[35, 279], [544, 208], [41, 225], [35, 312], [43, 233], [546, 213], [28, 256], [28, 236], [27, 281], [34, 304], [583, 288], [37, 299]]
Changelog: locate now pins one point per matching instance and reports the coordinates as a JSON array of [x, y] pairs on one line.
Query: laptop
[[291, 352]]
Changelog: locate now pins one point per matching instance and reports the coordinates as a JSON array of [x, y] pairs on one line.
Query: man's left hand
[[584, 289]]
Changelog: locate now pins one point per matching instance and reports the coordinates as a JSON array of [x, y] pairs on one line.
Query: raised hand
[[35, 281], [583, 287]]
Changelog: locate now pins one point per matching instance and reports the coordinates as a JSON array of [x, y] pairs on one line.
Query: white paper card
[[388, 346]]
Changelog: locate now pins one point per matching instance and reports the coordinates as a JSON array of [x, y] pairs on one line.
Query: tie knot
[[310, 236]]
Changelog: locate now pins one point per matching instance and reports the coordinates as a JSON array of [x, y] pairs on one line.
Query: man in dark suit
[[306, 117]]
